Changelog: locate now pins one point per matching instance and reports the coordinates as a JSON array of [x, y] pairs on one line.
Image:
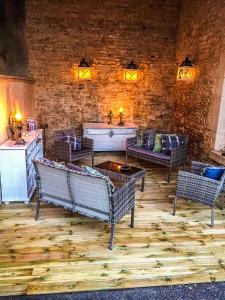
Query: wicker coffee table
[[115, 167]]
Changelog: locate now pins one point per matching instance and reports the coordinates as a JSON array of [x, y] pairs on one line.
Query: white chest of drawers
[[17, 170], [109, 137]]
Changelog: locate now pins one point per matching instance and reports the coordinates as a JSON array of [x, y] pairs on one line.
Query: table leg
[[143, 184]]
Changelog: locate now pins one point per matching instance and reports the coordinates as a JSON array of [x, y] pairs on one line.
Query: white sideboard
[[109, 137], [17, 170]]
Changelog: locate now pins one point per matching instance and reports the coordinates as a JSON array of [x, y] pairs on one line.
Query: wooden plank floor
[[64, 252]]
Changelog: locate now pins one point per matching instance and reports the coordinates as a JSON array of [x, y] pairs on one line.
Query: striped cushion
[[169, 141], [73, 140], [148, 140], [95, 172]]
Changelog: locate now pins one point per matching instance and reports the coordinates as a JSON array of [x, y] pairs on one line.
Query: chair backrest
[[58, 134], [80, 192]]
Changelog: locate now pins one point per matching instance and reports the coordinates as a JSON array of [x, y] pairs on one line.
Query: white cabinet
[[109, 137], [16, 168]]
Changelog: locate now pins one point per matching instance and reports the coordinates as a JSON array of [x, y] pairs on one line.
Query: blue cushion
[[169, 141], [148, 140], [213, 172], [73, 140]]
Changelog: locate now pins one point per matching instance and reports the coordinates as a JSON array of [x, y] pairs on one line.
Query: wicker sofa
[[80, 192], [178, 156]]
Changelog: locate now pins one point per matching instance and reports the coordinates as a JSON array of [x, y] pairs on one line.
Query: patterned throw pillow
[[73, 140], [158, 143], [95, 172], [148, 140], [182, 140], [169, 141], [75, 167]]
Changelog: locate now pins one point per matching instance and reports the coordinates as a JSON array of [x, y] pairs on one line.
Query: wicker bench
[[89, 195]]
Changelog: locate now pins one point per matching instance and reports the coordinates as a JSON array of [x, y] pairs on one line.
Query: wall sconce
[[84, 70], [131, 72], [185, 70]]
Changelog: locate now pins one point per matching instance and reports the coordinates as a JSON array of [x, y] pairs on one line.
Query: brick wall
[[109, 33], [196, 104]]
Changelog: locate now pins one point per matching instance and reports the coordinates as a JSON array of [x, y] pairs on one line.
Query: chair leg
[[132, 218], [212, 216], [169, 174], [37, 209], [112, 236], [126, 158], [174, 205], [92, 160], [222, 201], [143, 184]]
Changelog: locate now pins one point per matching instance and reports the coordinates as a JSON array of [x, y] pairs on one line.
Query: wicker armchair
[[178, 156], [193, 186], [63, 150], [80, 192]]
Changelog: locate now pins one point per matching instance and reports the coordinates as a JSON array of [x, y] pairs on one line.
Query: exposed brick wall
[[196, 104], [109, 33]]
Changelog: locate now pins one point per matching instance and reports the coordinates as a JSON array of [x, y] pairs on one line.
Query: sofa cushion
[[73, 140], [148, 140], [182, 139], [169, 141], [75, 167], [213, 172], [141, 150], [158, 143], [95, 172]]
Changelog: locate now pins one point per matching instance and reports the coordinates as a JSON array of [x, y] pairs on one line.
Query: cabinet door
[[13, 175]]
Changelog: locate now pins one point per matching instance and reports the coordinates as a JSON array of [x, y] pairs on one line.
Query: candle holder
[[109, 116], [121, 122], [16, 127]]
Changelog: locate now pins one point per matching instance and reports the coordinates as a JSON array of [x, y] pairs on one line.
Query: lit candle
[[18, 117], [121, 110], [121, 123]]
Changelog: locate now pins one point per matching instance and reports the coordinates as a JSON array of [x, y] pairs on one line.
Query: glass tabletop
[[116, 167]]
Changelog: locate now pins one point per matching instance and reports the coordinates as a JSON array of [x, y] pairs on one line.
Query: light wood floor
[[64, 252]]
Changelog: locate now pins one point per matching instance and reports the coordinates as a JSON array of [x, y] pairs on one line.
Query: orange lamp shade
[[185, 70]]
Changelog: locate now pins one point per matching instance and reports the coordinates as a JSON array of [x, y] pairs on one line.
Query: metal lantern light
[[185, 70], [131, 72], [84, 70]]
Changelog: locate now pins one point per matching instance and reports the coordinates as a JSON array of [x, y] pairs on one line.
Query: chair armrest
[[123, 200], [178, 156], [196, 187], [197, 167], [87, 143], [131, 141]]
